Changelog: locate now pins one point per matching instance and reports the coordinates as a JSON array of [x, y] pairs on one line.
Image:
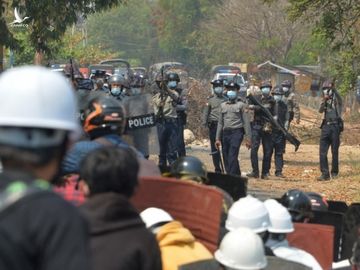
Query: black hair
[[111, 169]]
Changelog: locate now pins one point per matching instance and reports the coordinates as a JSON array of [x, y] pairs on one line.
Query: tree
[[128, 29], [338, 21], [250, 31], [48, 20]]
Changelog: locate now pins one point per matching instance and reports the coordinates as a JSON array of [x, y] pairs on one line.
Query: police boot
[[253, 175], [323, 177]]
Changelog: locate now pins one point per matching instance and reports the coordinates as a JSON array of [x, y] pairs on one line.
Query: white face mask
[[115, 91], [265, 90], [278, 97], [218, 90]]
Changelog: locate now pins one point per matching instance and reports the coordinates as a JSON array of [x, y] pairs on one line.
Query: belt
[[232, 129], [332, 122], [167, 120]]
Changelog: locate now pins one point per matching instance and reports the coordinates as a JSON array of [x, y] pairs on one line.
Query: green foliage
[[127, 28], [338, 22]]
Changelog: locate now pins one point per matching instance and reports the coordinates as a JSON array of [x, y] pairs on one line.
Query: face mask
[[232, 95], [286, 89], [115, 91], [136, 91], [218, 90], [277, 97], [265, 90], [327, 92], [172, 84]]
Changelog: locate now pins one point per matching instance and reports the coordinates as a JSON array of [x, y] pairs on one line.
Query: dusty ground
[[302, 167]]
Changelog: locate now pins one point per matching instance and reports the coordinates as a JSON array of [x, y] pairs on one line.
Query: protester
[[119, 239], [177, 244], [38, 229], [280, 226], [241, 249]]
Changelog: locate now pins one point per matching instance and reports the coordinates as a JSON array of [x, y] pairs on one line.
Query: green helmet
[[189, 167]]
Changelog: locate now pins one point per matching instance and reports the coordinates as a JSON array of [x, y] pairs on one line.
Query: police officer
[[261, 132], [291, 102], [233, 125], [281, 115], [211, 116], [331, 128], [165, 100], [118, 86], [181, 108]]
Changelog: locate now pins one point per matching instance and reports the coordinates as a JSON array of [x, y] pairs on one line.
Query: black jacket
[[41, 231], [119, 239]]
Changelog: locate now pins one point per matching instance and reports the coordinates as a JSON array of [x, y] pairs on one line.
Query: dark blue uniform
[[261, 133], [330, 135], [278, 138]]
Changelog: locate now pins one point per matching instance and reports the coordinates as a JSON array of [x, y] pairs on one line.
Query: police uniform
[[181, 108], [330, 135], [281, 114], [233, 125], [293, 108], [166, 123], [261, 133], [211, 117]]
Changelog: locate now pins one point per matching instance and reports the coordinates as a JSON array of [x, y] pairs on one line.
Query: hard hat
[[232, 85], [36, 98], [106, 114], [298, 204], [278, 90], [172, 76], [190, 167], [265, 83], [152, 216], [286, 83], [248, 212], [328, 84], [138, 80], [280, 218], [318, 202], [118, 79], [241, 249], [217, 82]]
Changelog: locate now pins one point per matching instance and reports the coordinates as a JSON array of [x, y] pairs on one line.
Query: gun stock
[[291, 138]]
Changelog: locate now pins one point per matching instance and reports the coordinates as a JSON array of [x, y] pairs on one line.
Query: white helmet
[[152, 216], [241, 249], [248, 212], [280, 218], [36, 98]]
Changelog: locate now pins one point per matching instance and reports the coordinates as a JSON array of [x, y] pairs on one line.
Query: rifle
[[291, 138], [160, 113], [72, 70]]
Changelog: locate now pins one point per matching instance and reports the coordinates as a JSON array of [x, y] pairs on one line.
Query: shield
[[236, 186], [198, 207], [333, 219], [316, 239], [275, 263], [140, 129], [337, 206], [351, 230]]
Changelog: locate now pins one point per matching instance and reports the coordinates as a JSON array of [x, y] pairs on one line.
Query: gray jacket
[[233, 116], [212, 109]]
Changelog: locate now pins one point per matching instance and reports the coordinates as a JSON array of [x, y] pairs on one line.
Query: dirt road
[[301, 170]]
